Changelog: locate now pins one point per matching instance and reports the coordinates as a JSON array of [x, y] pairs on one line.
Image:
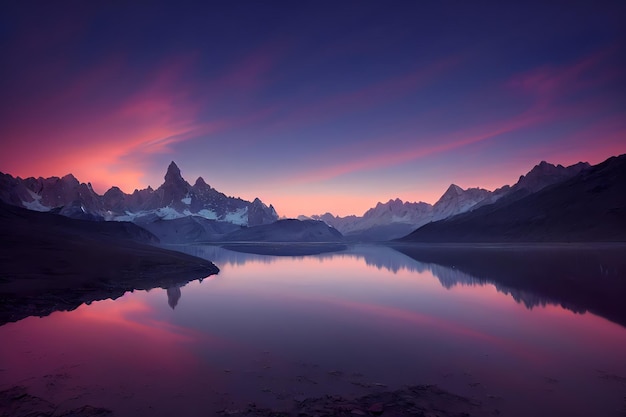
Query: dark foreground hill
[[50, 262], [591, 206]]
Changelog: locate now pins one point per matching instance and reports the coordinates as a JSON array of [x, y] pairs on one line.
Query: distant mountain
[[288, 230], [187, 229], [588, 206], [174, 199], [395, 218]]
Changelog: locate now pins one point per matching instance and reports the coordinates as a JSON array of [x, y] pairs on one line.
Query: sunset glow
[[310, 107]]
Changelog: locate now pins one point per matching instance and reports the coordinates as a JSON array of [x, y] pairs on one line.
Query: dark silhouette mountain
[[174, 199], [590, 206], [171, 193], [289, 230], [545, 174], [50, 262]]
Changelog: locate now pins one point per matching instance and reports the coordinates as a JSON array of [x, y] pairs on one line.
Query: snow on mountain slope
[[392, 212], [174, 199], [587, 207], [396, 218], [457, 200]]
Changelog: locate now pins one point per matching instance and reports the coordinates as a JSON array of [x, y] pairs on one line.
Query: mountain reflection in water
[[173, 295], [578, 278], [490, 324]]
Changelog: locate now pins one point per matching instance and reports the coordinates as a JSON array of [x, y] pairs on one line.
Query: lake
[[524, 330]]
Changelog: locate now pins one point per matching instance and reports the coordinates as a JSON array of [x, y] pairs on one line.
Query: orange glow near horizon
[[114, 139]]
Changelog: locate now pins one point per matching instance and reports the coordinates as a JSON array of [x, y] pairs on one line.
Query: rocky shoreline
[[414, 401], [417, 401], [17, 402]]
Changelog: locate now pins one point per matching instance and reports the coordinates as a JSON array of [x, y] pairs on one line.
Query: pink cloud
[[594, 143], [251, 73], [547, 86], [102, 134], [549, 83], [253, 70], [426, 146]]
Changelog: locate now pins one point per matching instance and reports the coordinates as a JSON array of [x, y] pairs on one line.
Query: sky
[[312, 106]]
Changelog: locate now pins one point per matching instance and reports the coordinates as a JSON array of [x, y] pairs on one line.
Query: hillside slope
[[591, 206]]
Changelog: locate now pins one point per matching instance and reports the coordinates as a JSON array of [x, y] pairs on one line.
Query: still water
[[527, 332]]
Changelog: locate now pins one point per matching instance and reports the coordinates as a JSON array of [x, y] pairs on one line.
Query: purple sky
[[310, 106]]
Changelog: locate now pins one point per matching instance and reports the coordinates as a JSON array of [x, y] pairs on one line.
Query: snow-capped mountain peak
[[457, 200], [175, 198]]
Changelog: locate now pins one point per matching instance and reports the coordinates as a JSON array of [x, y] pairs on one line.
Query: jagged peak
[[200, 183], [545, 173], [149, 189], [390, 202], [453, 190], [543, 165], [546, 168], [114, 190], [173, 173], [69, 177]]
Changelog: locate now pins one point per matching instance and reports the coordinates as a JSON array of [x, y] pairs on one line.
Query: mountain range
[[550, 203], [395, 218], [587, 206], [174, 199]]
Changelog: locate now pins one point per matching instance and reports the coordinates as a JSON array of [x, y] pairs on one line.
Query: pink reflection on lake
[[111, 353], [266, 327]]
